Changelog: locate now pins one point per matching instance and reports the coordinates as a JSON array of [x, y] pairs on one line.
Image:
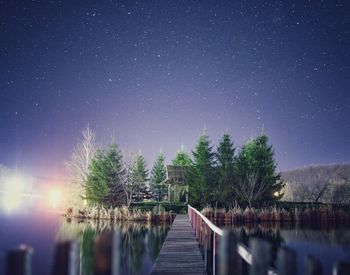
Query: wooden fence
[[224, 254]]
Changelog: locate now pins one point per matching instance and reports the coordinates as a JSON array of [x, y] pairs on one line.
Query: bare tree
[[250, 189], [316, 183], [80, 159], [344, 177], [130, 186]]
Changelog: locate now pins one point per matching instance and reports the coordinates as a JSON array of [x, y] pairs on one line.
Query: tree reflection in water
[[277, 234], [141, 242]]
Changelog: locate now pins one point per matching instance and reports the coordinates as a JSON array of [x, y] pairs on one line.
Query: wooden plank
[[180, 253], [342, 268], [66, 258], [261, 253], [19, 261], [312, 266]]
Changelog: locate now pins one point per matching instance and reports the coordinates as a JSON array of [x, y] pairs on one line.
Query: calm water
[[329, 245], [141, 243]]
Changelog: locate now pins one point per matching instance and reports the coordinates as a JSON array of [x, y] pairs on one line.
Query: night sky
[[157, 73]]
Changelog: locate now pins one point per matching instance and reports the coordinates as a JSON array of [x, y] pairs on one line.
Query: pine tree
[[255, 172], [140, 175], [201, 175], [106, 178], [158, 174], [182, 158], [96, 183], [116, 176], [225, 157]]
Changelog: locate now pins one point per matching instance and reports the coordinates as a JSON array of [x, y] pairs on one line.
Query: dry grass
[[119, 214], [277, 215]]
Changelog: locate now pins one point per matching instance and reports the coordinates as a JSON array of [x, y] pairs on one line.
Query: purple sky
[[156, 73]]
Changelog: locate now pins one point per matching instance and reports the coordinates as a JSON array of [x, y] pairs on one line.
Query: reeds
[[120, 214], [308, 216]]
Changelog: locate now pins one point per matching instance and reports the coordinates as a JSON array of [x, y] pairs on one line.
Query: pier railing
[[224, 254]]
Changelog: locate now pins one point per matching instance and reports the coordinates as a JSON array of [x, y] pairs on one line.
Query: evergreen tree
[[96, 183], [116, 177], [255, 172], [225, 159], [182, 158], [201, 175], [140, 175], [106, 178], [158, 174]]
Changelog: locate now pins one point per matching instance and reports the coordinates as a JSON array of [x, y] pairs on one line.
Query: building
[[176, 183]]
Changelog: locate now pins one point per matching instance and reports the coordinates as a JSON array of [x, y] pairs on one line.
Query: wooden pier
[[180, 253]]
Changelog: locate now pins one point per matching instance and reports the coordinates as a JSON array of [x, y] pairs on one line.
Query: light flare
[[55, 198], [13, 192]]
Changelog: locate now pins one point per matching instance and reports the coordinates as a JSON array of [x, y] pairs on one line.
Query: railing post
[[214, 253], [66, 260], [261, 257], [107, 254], [312, 266], [198, 221], [200, 232], [205, 246], [228, 255], [19, 261], [286, 261], [341, 268], [210, 252]]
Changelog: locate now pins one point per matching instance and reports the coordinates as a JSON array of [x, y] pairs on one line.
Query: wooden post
[[169, 193], [66, 260], [215, 253], [197, 226], [228, 256], [312, 266], [286, 261], [107, 254], [19, 261], [341, 268], [205, 248], [261, 257], [209, 264]]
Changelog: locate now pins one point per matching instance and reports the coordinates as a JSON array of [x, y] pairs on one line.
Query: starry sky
[[157, 73]]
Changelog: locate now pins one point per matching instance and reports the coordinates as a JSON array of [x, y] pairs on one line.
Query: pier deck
[[180, 253]]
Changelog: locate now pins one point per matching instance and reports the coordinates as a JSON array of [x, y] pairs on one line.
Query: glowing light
[[276, 194], [55, 197], [14, 188]]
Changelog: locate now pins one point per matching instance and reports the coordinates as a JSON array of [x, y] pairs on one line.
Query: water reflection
[[328, 244], [141, 243]]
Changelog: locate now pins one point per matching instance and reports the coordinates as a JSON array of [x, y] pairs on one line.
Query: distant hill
[[322, 183]]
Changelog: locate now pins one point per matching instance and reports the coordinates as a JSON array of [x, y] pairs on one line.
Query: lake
[[141, 243], [327, 244]]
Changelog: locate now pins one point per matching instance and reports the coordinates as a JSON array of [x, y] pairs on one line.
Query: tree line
[[221, 177], [227, 176]]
